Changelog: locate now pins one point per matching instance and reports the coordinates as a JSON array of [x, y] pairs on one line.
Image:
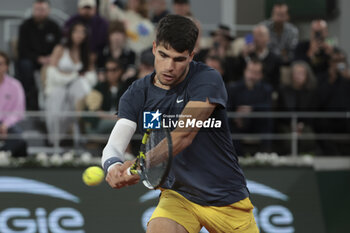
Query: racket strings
[[156, 157]]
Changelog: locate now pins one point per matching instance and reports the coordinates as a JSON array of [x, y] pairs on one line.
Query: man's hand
[[314, 48], [248, 49], [117, 176], [244, 109], [44, 60]]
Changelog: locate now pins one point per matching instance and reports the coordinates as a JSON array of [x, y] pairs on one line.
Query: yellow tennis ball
[[93, 176]]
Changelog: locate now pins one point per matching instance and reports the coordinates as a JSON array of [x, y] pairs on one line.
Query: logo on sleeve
[[151, 120]]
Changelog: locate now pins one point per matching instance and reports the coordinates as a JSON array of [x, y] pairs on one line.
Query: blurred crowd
[[89, 63]]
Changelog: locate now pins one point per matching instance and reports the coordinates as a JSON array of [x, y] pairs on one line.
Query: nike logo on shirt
[[179, 101]]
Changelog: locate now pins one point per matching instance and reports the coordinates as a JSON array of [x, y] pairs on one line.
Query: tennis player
[[205, 187]]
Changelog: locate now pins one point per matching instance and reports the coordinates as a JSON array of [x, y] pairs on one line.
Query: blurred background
[[64, 64]]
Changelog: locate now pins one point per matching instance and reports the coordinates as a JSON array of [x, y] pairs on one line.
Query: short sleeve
[[131, 102], [208, 84]]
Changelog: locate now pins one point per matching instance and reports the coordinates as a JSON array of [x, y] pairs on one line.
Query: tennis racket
[[154, 159]]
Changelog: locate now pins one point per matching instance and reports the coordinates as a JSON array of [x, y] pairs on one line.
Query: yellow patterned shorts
[[235, 218]]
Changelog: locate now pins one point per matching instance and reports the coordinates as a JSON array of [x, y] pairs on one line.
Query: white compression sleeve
[[119, 139]]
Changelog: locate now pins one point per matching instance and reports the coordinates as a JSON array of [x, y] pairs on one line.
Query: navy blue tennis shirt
[[207, 171]]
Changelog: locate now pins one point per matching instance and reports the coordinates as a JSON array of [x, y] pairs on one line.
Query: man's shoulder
[[201, 71], [27, 23], [102, 86], [266, 87], [99, 19], [291, 27], [238, 85], [52, 23], [141, 84], [72, 19]]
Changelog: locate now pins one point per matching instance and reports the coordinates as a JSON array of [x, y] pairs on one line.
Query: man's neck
[[158, 83], [262, 52], [116, 51], [278, 27]]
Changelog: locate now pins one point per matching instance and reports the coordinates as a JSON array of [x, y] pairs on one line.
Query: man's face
[[171, 66], [280, 14], [319, 30], [215, 64], [157, 5], [253, 73], [133, 4], [87, 12], [299, 75], [113, 72], [3, 67], [220, 39], [117, 39], [181, 9], [261, 37], [40, 11]]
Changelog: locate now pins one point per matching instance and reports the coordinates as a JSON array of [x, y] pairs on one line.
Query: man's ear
[[154, 47], [191, 55]]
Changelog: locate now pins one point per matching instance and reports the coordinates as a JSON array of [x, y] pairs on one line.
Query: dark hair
[[280, 4], [147, 58], [217, 59], [84, 46], [7, 59], [142, 8], [116, 26], [311, 81], [178, 32], [181, 1], [42, 1], [255, 60], [118, 62]]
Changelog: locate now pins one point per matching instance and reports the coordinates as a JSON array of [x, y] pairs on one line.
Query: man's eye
[[180, 60]]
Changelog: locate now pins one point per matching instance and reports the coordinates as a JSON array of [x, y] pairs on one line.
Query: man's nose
[[170, 65]]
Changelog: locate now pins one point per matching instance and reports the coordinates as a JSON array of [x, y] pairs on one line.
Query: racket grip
[[128, 171]]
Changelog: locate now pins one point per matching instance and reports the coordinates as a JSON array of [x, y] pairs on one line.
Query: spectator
[[117, 49], [38, 36], [160, 10], [334, 96], [316, 51], [216, 63], [139, 28], [146, 65], [182, 7], [259, 49], [110, 90], [12, 107], [96, 25], [221, 48], [283, 35], [70, 77], [299, 95], [251, 95]]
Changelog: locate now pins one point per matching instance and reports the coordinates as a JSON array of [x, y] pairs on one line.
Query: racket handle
[[128, 171], [148, 185]]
